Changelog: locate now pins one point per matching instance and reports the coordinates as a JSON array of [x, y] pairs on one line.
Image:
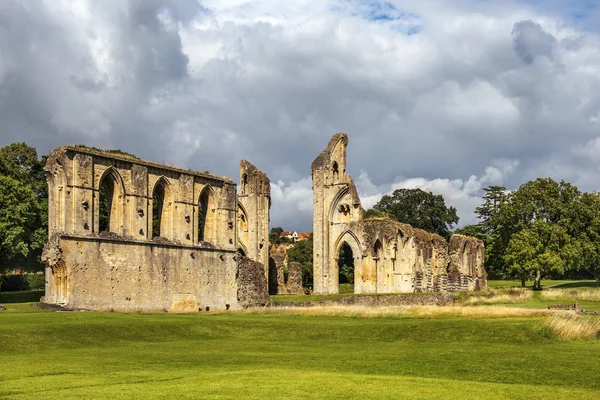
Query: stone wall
[[117, 274], [187, 265], [389, 256], [254, 202], [294, 281], [252, 284], [277, 266]]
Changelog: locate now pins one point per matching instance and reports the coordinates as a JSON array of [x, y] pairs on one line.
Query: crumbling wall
[[254, 202], [389, 256], [465, 268], [294, 281], [189, 265], [277, 265], [336, 206], [252, 290]]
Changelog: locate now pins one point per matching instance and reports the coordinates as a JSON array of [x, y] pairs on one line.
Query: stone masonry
[[188, 264], [389, 256]]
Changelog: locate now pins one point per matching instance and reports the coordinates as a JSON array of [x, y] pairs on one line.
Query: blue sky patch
[[382, 12]]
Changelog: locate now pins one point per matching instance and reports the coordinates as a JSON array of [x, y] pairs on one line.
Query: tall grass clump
[[570, 294], [573, 327], [497, 296]]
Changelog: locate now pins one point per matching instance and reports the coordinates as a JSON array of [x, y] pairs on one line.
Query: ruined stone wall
[[465, 270], [294, 281], [189, 264], [389, 256], [116, 274], [252, 284], [336, 206], [254, 202], [277, 266]]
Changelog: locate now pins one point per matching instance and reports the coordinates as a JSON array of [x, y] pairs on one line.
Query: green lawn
[[74, 355]]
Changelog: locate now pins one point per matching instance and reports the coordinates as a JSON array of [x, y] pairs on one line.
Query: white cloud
[[430, 89], [464, 194]]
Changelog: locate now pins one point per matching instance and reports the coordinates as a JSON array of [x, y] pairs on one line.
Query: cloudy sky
[[449, 96]]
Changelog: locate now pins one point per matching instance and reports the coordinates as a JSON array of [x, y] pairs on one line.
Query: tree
[[494, 198], [24, 206], [420, 209], [533, 230], [18, 221], [302, 252], [276, 238]]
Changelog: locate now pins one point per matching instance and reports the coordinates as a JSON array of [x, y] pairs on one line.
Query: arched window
[[345, 262], [105, 193], [206, 216], [377, 249], [244, 183], [335, 171], [108, 202], [160, 209]]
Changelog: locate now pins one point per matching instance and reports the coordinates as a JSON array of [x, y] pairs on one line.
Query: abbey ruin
[[127, 234], [171, 239], [389, 256]]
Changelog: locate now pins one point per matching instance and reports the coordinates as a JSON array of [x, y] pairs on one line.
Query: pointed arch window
[[206, 215], [244, 183], [160, 209], [109, 207], [335, 172]]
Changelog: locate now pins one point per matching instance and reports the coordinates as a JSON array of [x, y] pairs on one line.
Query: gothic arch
[[206, 221], [349, 237], [110, 184], [335, 203], [160, 220]]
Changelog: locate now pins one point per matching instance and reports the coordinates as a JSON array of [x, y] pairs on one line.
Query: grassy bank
[[256, 355]]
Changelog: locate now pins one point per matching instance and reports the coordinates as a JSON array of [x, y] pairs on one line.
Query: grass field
[[414, 354]]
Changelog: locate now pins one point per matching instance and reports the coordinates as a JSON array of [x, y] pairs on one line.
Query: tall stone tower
[[254, 202], [336, 209]]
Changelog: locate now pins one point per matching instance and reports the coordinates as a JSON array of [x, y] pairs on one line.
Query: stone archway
[[347, 237]]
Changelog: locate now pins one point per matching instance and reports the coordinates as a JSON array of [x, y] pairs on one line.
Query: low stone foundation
[[433, 299]]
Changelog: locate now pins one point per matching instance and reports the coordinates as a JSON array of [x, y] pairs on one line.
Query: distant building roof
[[287, 233]]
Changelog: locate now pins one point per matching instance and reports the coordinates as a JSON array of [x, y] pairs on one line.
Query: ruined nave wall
[[113, 274]]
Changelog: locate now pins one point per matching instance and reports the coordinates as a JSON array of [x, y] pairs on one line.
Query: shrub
[[13, 283]]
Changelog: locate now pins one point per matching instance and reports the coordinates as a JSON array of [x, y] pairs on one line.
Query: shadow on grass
[[573, 285], [26, 296]]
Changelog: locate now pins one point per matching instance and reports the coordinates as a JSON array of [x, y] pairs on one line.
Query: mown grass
[[271, 354]]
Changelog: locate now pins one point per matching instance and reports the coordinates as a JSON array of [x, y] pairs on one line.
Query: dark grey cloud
[[531, 41]]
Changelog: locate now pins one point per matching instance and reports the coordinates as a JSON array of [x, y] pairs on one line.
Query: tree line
[[543, 229]]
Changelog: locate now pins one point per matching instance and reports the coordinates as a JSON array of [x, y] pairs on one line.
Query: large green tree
[[420, 209], [23, 207], [544, 227]]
